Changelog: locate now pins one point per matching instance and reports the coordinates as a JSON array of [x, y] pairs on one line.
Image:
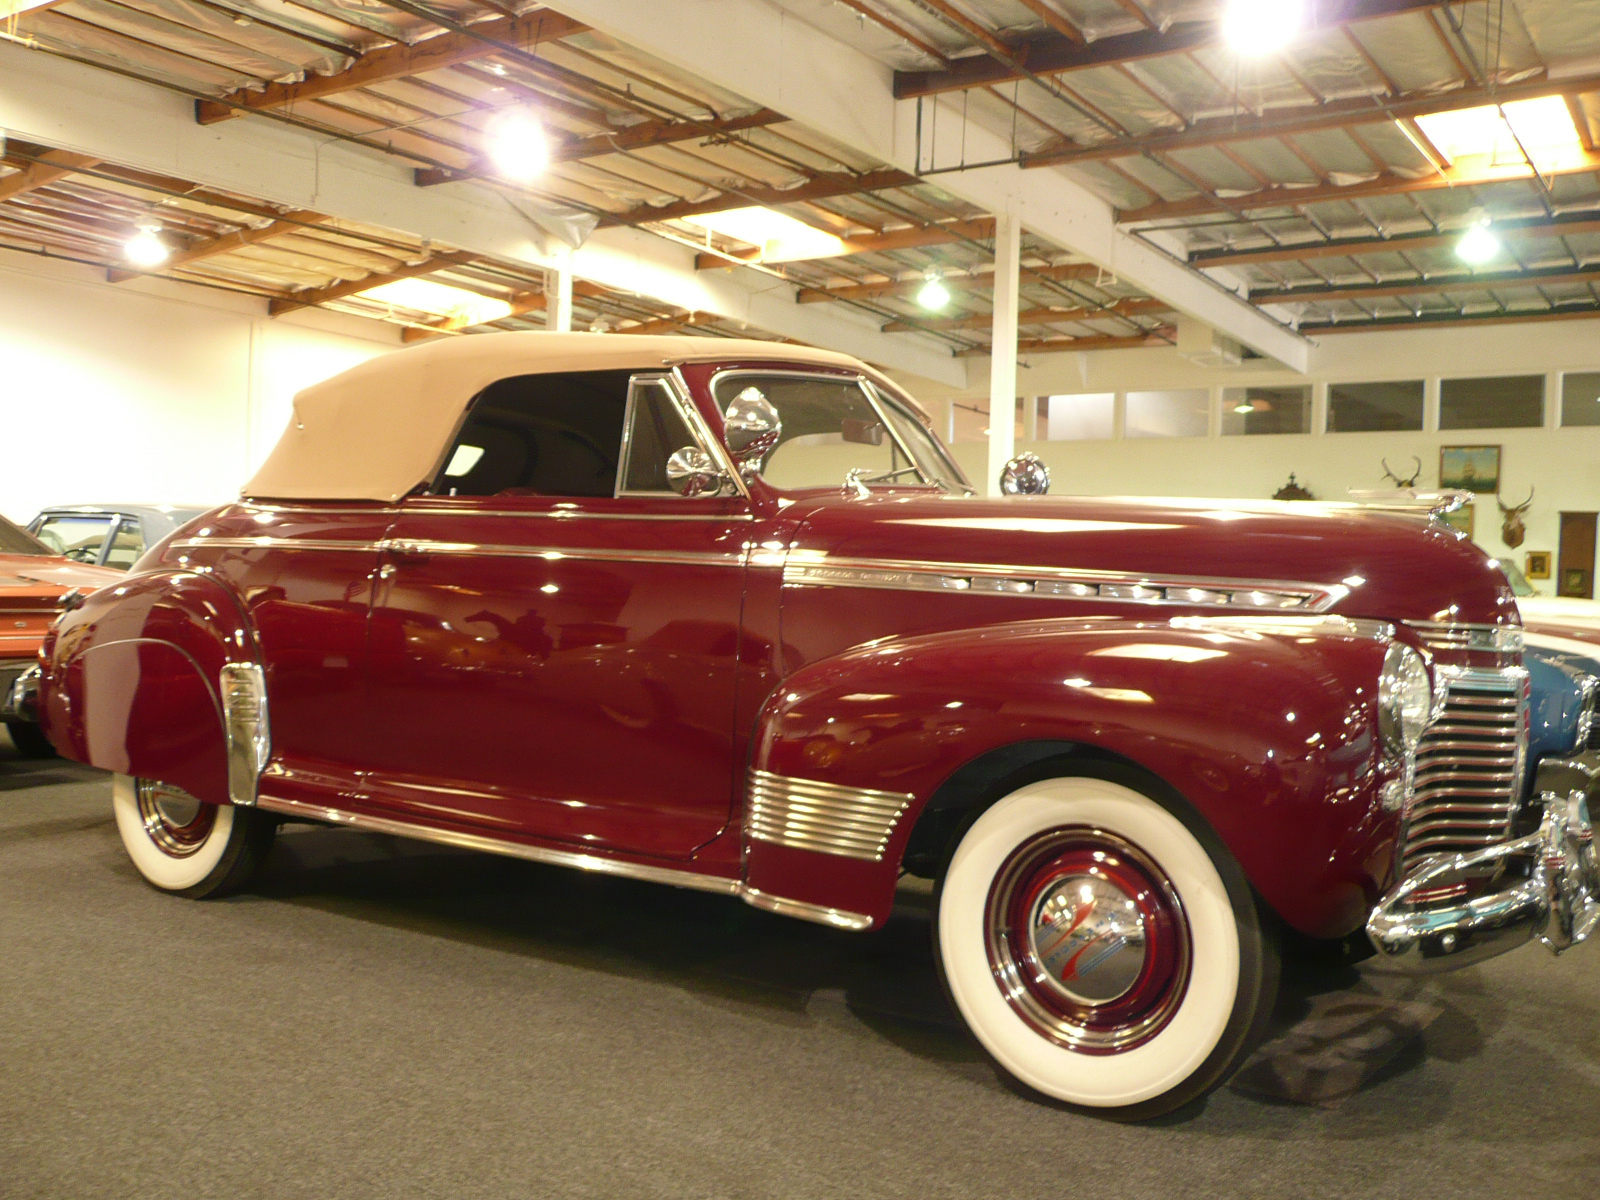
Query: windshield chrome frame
[[876, 400]]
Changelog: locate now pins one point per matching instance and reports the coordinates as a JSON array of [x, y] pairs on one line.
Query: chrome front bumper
[[1548, 886], [19, 693]]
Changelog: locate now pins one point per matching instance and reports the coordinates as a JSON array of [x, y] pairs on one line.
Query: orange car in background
[[32, 581]]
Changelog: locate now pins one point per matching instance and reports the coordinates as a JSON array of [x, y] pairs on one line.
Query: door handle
[[404, 549]]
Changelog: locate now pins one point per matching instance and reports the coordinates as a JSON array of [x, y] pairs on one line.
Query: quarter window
[[656, 431], [541, 435]]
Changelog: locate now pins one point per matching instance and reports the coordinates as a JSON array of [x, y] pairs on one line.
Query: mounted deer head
[[1513, 531], [1404, 483]]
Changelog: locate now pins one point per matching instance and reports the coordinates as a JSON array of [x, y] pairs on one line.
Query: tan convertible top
[[380, 428]]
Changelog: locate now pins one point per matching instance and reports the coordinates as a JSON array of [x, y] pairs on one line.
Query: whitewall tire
[[1105, 950], [184, 846]]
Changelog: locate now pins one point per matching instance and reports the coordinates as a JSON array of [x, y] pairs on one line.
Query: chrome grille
[[1448, 636], [1468, 767]]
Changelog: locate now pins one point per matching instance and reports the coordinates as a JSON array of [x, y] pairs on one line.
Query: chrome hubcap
[[1088, 940], [174, 820]]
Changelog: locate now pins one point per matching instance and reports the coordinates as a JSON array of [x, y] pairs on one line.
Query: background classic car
[[32, 582], [725, 615], [109, 535]]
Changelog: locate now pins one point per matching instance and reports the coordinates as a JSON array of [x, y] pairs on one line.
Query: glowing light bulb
[[934, 295], [145, 248], [1259, 27], [1479, 244], [516, 144]]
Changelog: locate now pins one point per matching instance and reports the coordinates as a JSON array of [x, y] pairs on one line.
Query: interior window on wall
[[969, 421], [1252, 410], [1184, 414], [1360, 407], [1501, 402], [1085, 418], [1580, 398]]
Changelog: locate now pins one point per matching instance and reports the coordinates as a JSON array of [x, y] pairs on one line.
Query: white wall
[[1563, 465], [148, 391]]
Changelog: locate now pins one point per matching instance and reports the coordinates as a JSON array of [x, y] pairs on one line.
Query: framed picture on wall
[[1470, 468], [1538, 564], [1464, 519]]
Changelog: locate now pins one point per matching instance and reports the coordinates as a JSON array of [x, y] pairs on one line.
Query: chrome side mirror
[[691, 472], [1025, 475], [751, 426]]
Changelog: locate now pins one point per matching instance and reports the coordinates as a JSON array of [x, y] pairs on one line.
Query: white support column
[[1003, 363], [558, 297]]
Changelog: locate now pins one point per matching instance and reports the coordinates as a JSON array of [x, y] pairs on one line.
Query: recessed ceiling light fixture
[[933, 295], [1479, 244], [461, 307], [1254, 28], [779, 236], [515, 142], [145, 248]]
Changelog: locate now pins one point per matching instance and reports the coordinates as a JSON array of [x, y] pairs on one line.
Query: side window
[[541, 435], [656, 431], [126, 546]]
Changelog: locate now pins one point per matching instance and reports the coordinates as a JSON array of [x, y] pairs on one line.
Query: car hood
[[1395, 567], [33, 576]]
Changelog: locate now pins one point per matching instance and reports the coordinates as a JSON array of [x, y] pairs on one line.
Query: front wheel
[[1106, 952], [185, 846]]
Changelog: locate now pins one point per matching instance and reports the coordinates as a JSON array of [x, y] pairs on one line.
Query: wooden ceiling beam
[[1034, 316], [1336, 114], [292, 222], [398, 62], [1453, 321], [1054, 53], [820, 187], [1350, 247], [1055, 19], [635, 137], [1160, 337], [979, 229], [45, 169], [956, 283], [1386, 184], [1419, 287], [349, 287]]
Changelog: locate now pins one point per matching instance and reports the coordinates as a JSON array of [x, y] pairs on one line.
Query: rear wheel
[[1106, 951], [30, 740], [185, 846]]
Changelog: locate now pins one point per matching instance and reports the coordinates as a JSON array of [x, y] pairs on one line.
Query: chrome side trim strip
[[267, 543], [474, 841], [822, 915], [820, 570], [564, 515], [1292, 626], [826, 818], [555, 554]]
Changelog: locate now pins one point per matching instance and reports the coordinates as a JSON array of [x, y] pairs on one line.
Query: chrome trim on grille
[[811, 569], [1468, 769], [243, 690], [1453, 635], [827, 818]]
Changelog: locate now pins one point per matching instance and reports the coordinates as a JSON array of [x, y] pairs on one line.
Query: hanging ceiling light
[[1479, 244], [934, 295], [145, 248], [515, 142], [1258, 27]]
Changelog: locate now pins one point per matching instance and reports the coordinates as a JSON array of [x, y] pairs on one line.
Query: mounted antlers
[[1514, 530], [1398, 482]]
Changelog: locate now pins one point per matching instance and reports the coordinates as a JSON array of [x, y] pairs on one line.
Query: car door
[[555, 634]]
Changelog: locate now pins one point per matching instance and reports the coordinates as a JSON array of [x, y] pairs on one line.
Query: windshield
[[833, 426], [1519, 582], [14, 541], [79, 537]]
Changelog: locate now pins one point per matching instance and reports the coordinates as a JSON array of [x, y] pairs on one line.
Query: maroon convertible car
[[725, 615]]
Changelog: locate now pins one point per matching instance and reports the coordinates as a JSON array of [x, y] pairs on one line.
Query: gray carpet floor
[[379, 1018]]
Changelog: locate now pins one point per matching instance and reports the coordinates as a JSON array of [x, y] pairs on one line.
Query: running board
[[577, 860]]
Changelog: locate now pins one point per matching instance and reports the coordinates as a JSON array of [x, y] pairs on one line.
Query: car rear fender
[[131, 679], [1266, 727]]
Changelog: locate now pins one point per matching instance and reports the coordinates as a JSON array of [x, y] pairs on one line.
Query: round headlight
[[1405, 699]]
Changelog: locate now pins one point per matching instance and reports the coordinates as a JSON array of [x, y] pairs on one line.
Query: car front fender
[[1266, 727]]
